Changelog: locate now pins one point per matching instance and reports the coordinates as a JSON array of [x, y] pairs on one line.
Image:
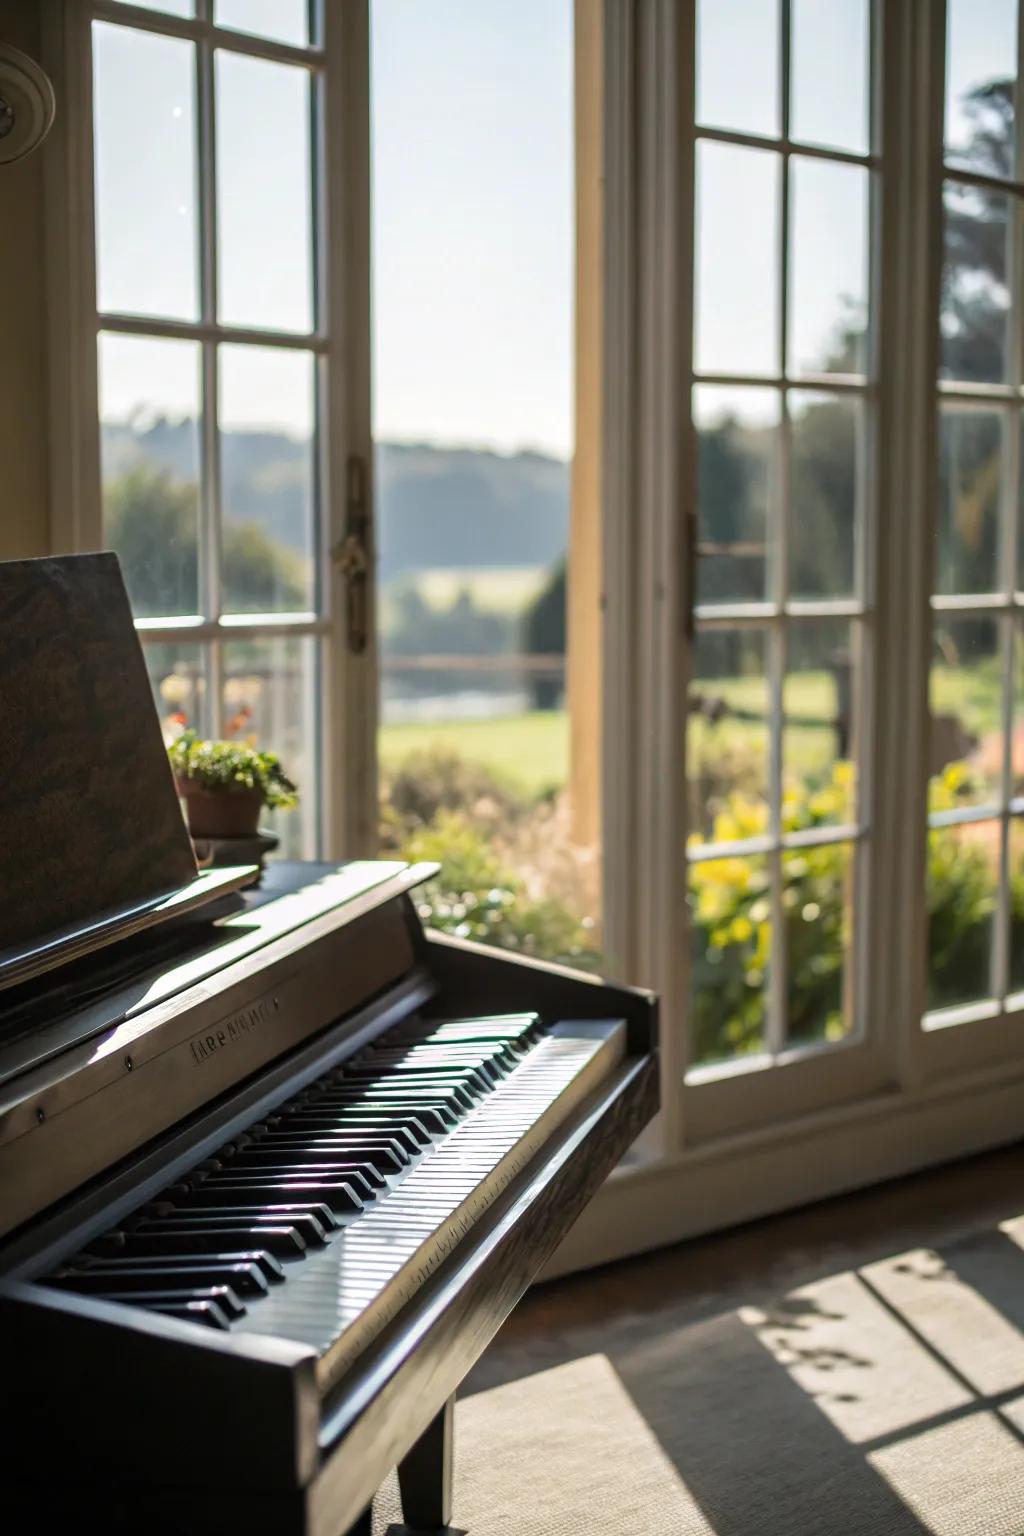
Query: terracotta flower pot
[[224, 813]]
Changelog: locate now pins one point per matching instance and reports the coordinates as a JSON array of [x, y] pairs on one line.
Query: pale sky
[[473, 221], [473, 204], [472, 229]]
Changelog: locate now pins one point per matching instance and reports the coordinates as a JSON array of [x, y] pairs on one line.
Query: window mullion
[[210, 499], [909, 269], [1001, 940], [1009, 502], [778, 986]]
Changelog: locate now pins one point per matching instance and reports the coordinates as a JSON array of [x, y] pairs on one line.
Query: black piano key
[[285, 1239], [399, 1145], [383, 1161], [457, 1086], [337, 1194], [485, 1072], [259, 1242], [232, 1253], [224, 1205], [404, 1125], [518, 1031], [361, 1172], [130, 1275], [311, 1231], [377, 1093], [427, 1058], [206, 1312], [225, 1299], [462, 1087], [362, 1183], [500, 1058], [436, 1117]]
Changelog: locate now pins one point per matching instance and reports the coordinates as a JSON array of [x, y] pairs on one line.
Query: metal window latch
[[351, 557]]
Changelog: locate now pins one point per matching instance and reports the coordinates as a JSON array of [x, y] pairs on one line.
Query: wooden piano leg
[[425, 1476]]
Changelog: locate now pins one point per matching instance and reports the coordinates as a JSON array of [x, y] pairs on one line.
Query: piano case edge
[[82, 1365], [391, 1398]]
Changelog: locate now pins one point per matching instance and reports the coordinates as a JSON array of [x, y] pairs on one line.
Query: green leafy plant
[[229, 767]]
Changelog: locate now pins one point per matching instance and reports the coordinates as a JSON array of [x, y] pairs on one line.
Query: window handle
[[351, 558]]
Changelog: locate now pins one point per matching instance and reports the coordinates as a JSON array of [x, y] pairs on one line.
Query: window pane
[[970, 475], [727, 736], [963, 881], [825, 459], [1017, 736], [144, 115], [473, 270], [270, 702], [975, 298], [285, 21], [966, 744], [730, 951], [266, 450], [737, 327], [149, 425], [820, 718], [738, 65], [981, 84], [828, 275], [818, 898], [177, 674], [737, 495], [264, 213], [830, 73], [1019, 562]]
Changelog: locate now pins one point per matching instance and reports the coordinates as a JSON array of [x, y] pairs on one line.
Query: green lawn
[[504, 590], [533, 749]]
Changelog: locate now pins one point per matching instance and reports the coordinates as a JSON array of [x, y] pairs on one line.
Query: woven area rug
[[886, 1400]]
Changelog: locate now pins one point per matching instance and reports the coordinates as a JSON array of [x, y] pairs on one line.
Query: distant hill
[[463, 507], [438, 508]]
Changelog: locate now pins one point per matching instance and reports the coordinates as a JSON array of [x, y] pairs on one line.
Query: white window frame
[[980, 1034], [346, 704], [899, 1097]]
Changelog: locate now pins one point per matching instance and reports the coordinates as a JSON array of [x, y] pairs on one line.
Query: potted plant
[[224, 785]]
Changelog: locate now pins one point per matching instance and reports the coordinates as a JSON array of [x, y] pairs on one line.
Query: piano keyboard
[[320, 1221]]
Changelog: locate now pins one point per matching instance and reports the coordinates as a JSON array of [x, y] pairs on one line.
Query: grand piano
[[271, 1177]]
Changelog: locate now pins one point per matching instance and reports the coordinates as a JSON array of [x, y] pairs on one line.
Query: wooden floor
[[855, 1368], [580, 1315]]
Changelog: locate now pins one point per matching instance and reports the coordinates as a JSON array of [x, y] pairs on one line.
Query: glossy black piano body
[[150, 1423]]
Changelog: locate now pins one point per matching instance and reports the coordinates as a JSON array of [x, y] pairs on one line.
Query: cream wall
[[24, 510]]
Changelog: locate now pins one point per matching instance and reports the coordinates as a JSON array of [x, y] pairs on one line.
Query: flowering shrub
[[499, 885], [477, 897], [731, 915], [509, 873], [730, 931]]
